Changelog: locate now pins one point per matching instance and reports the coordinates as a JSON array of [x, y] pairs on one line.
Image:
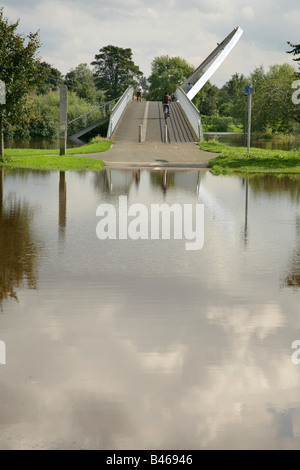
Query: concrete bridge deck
[[150, 115]]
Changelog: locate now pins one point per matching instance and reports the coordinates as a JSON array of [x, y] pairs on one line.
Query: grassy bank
[[51, 160], [259, 160]]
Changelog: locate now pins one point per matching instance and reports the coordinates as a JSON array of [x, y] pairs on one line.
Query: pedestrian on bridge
[[166, 102], [139, 92]]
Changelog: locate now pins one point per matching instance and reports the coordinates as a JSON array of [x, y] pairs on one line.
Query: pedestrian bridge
[[145, 122], [133, 121]]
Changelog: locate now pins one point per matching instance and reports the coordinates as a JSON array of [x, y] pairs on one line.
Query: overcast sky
[[73, 31]]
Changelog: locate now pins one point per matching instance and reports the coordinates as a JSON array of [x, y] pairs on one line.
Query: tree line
[[32, 103]]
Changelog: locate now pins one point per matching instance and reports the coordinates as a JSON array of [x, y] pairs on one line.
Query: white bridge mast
[[208, 67]]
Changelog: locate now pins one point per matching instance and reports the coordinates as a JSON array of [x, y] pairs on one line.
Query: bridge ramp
[[128, 128], [150, 116]]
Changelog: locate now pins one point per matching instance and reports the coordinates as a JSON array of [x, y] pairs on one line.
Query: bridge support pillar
[[140, 132]]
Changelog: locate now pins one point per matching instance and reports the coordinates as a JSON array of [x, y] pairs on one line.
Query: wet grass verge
[[51, 160], [236, 159]]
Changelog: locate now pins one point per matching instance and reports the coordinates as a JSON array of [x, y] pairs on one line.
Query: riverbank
[[38, 159], [219, 158], [236, 159]]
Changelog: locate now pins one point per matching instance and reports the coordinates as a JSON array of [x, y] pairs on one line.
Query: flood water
[[143, 344], [258, 141], [45, 144], [236, 140]]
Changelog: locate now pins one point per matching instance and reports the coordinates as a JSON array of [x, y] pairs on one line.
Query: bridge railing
[[191, 112], [102, 106], [118, 110], [91, 117]]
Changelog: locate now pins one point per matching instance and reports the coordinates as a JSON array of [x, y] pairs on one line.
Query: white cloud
[[153, 13], [248, 13], [72, 32]]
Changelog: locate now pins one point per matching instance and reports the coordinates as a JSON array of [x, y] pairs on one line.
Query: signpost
[[248, 91], [63, 119]]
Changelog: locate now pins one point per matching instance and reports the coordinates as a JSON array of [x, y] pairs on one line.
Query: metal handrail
[[191, 112], [118, 110], [95, 109]]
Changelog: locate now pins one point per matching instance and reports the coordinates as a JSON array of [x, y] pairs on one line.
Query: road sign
[[2, 93], [248, 90]]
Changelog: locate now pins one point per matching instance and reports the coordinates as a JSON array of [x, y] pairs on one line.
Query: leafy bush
[[217, 123], [44, 118]]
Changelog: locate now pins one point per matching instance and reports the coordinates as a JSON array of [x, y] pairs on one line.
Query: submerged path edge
[[154, 155]]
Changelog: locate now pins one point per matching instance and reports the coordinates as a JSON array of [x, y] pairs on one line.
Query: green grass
[[96, 145], [51, 160], [259, 160], [60, 163]]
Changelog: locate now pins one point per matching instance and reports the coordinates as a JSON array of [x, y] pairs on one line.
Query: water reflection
[[114, 181], [121, 181], [137, 178], [276, 185], [245, 230], [163, 179], [292, 274], [283, 421], [281, 187], [62, 211], [19, 246], [140, 344]]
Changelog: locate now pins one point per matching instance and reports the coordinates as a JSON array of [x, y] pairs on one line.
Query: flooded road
[[141, 343]]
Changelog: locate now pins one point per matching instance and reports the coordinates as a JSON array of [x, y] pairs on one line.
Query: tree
[[232, 99], [206, 99], [44, 118], [167, 73], [272, 106], [19, 247], [20, 70], [295, 51], [145, 85], [53, 81], [115, 70], [82, 82]]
